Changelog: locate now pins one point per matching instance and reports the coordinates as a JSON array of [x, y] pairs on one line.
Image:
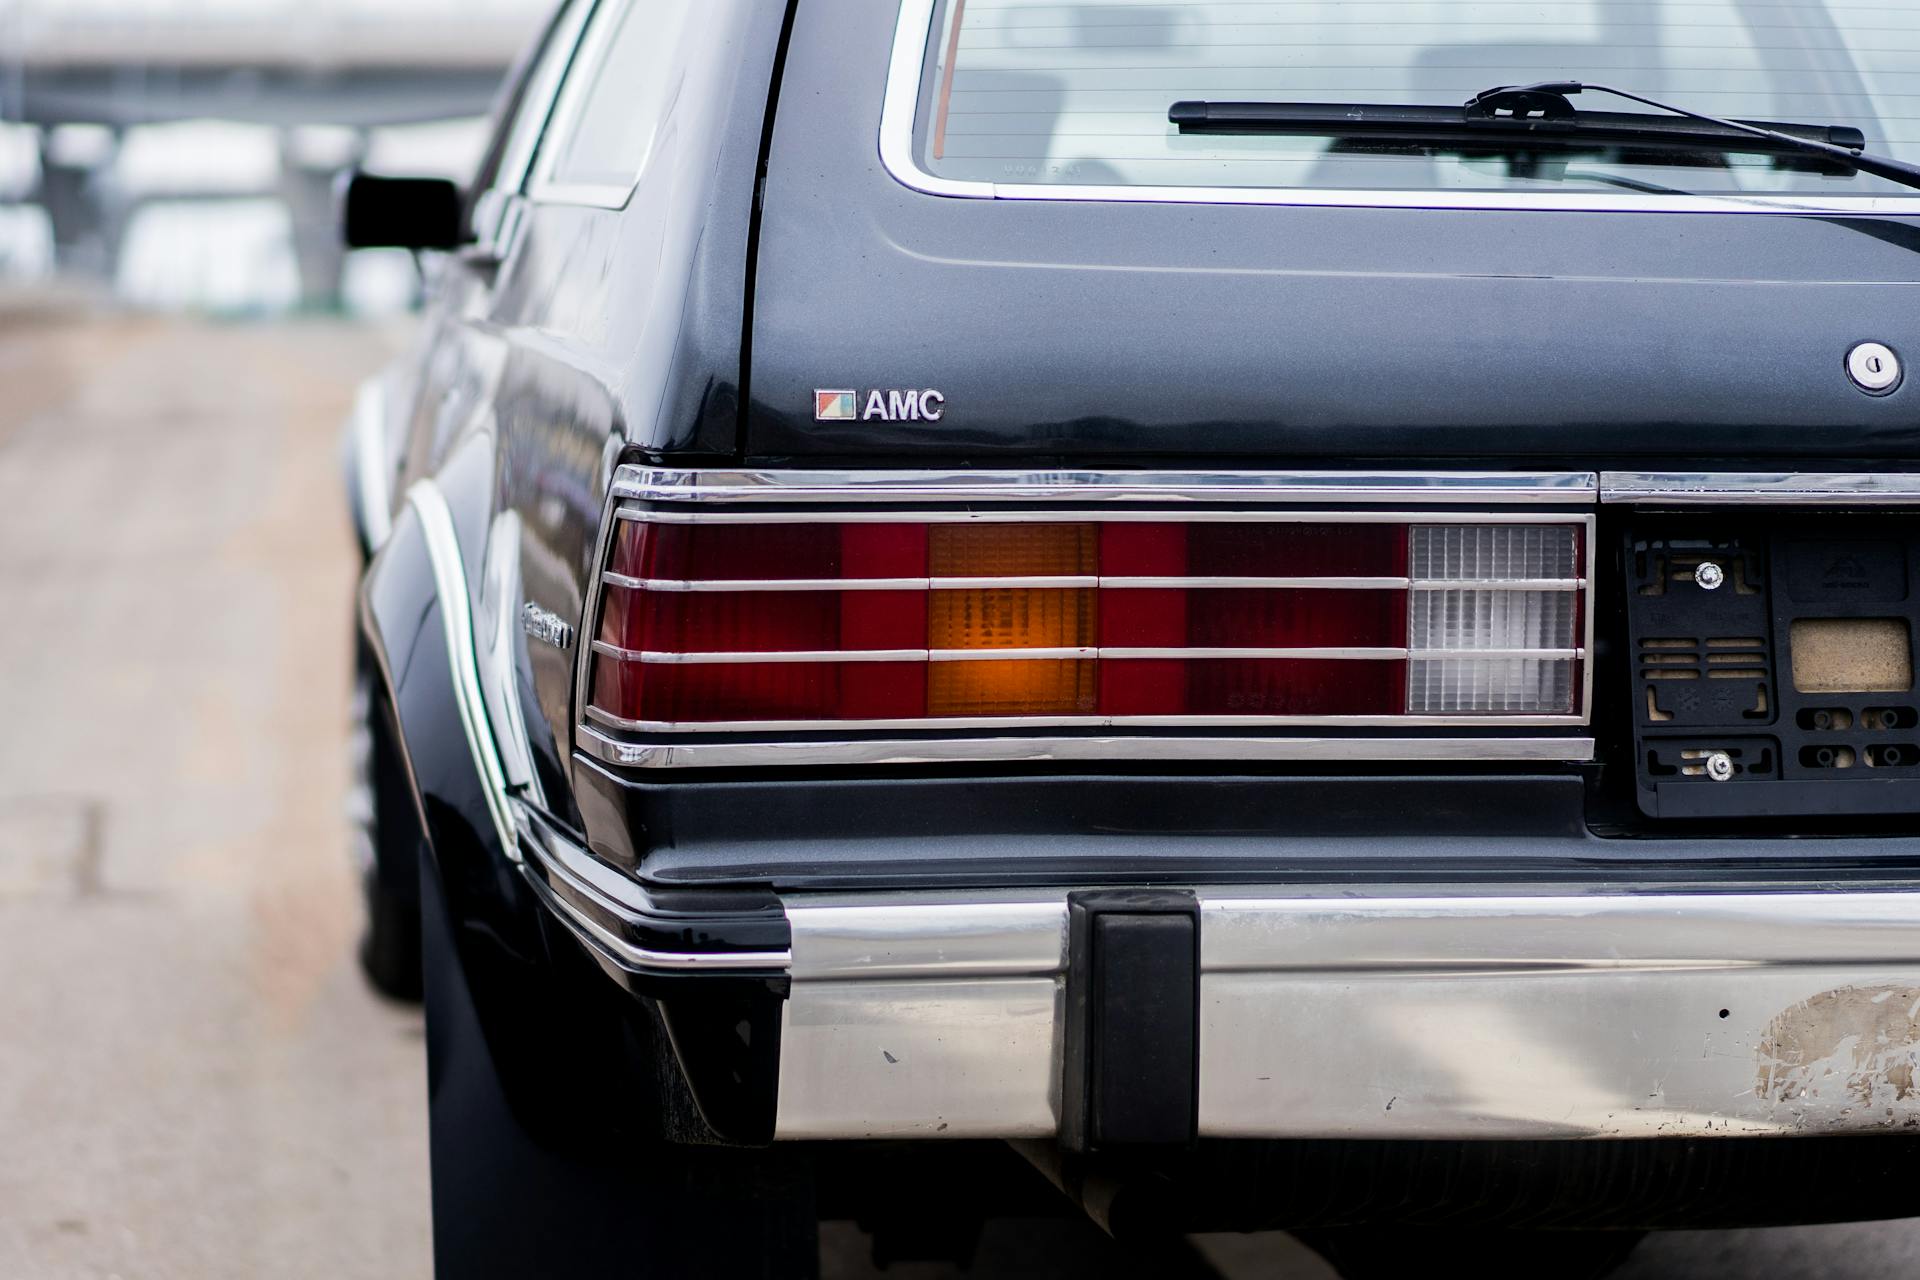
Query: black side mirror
[[402, 213]]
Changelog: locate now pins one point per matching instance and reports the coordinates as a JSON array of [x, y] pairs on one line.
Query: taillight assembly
[[783, 623]]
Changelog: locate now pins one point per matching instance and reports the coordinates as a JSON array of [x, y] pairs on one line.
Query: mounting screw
[[1709, 575], [1720, 766]]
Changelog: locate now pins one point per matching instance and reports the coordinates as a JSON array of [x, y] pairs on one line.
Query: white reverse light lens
[[1483, 599]]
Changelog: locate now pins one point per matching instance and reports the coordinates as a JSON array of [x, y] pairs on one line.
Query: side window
[[615, 104], [523, 115]]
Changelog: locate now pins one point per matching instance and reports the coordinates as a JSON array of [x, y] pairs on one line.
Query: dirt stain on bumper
[[1856, 1046]]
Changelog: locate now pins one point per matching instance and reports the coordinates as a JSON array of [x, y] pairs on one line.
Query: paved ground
[[193, 1082]]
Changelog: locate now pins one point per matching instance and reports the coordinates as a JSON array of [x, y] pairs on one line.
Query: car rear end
[[1208, 641]]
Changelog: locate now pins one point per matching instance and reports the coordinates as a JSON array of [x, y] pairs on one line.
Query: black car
[[1281, 615]]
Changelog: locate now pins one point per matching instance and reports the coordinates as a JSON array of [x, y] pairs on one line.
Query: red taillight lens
[[790, 623]]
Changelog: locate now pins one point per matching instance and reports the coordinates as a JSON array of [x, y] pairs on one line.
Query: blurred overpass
[[284, 62], [357, 64]]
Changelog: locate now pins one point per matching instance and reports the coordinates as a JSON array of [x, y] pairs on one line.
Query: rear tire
[[386, 843], [512, 1199], [390, 943]]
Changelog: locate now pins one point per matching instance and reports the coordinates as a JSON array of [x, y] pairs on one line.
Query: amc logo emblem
[[891, 405]]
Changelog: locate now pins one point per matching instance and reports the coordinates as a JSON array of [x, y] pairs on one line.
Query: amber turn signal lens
[[1011, 688], [1012, 618], [1012, 550]]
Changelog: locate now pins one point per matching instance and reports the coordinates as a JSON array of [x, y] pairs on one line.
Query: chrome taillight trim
[[1119, 653], [1029, 749], [664, 484], [824, 729], [668, 496], [1089, 582], [1025, 514], [1746, 488]]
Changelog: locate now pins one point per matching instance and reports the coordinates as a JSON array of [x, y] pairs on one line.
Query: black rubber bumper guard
[[1132, 1051]]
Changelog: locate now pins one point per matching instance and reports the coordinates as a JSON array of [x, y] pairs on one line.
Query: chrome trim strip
[[1347, 928], [450, 584], [653, 657], [1117, 653], [1184, 582], [590, 618], [1499, 584], [933, 935], [1042, 750], [1088, 582], [971, 723], [1412, 930], [664, 484], [1057, 583], [900, 110], [1692, 488], [614, 894], [500, 593], [370, 469], [1589, 608], [1082, 515]]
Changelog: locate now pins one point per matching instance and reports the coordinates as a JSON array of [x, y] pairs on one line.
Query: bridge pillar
[[307, 183], [83, 209]]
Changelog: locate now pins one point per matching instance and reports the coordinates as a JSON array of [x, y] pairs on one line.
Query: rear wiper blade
[[1540, 115]]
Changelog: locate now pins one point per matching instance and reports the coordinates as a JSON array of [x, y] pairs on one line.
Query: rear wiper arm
[[1540, 114], [1849, 149]]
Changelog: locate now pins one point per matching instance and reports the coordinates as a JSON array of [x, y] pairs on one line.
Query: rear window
[[1074, 92]]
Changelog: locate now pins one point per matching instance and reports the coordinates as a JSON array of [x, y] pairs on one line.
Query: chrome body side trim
[[1780, 488], [368, 440], [1026, 749], [598, 903], [450, 584], [497, 641], [1383, 1012], [900, 110], [663, 484]]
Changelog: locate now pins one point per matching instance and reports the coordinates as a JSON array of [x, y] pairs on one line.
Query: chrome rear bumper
[[1381, 1013]]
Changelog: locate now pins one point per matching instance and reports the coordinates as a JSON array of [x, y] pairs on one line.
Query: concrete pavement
[[193, 1082]]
